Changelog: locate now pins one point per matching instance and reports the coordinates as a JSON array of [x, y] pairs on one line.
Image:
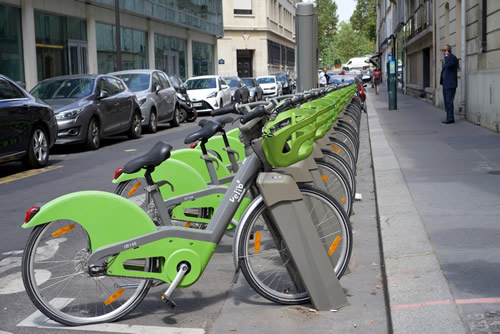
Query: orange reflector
[[342, 199], [257, 241], [188, 224], [114, 296], [324, 178], [134, 188], [63, 230], [334, 245], [347, 119], [336, 148]]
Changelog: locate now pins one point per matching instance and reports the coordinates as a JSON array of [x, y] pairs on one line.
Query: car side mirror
[[364, 84], [103, 94], [224, 86], [157, 89]]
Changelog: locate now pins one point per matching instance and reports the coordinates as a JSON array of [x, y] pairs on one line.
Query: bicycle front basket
[[289, 137]]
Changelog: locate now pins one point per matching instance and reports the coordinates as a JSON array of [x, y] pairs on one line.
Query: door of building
[[77, 57], [427, 67], [171, 62], [244, 61]]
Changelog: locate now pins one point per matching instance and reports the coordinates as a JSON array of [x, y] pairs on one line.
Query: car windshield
[[135, 81], [281, 77], [231, 82], [248, 82], [64, 88], [266, 80], [176, 81], [205, 83], [341, 79]]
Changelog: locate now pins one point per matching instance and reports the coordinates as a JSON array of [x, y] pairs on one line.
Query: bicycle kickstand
[[183, 270]]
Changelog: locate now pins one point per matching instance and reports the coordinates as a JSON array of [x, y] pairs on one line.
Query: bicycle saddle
[[209, 128], [159, 153]]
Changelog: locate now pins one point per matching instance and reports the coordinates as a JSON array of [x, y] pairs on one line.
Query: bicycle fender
[[182, 176], [107, 218]]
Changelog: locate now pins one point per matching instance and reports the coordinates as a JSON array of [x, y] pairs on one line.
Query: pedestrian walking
[[449, 82], [377, 79]]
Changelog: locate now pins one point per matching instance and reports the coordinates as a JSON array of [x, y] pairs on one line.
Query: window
[[11, 56], [156, 81], [171, 55], [164, 80], [203, 59], [133, 46], [8, 91], [242, 7], [113, 86]]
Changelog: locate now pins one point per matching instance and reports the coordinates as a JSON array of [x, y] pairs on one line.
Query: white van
[[357, 63]]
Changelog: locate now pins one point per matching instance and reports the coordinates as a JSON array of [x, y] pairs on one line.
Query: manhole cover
[[494, 172], [415, 132]]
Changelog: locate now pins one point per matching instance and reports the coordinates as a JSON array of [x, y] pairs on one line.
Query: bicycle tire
[[343, 166], [336, 185], [346, 138], [282, 289], [337, 147], [56, 278]]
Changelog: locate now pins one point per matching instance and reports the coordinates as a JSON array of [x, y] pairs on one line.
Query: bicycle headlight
[[213, 94], [71, 113]]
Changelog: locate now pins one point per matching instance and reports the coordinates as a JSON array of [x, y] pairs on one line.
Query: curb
[[418, 295]]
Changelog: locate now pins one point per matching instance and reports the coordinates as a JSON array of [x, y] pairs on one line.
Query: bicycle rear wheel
[[336, 185], [263, 255], [57, 280]]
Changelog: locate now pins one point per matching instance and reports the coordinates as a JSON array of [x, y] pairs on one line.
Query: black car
[[90, 106], [256, 91], [285, 83], [239, 91], [28, 126]]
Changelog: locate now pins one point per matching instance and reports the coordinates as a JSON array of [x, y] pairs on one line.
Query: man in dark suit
[[449, 82]]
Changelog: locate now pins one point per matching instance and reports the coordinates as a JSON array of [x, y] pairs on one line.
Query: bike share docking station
[[290, 215]]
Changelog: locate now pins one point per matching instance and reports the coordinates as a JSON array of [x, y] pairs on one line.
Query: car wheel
[[192, 116], [38, 149], [93, 135], [175, 120], [136, 126], [153, 121], [220, 104], [182, 115]]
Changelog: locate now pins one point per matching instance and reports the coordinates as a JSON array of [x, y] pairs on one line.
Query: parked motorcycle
[[187, 112]]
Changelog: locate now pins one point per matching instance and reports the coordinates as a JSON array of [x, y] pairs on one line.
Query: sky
[[345, 9]]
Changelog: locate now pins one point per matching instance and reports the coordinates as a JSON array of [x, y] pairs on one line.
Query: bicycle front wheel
[[57, 280], [263, 255]]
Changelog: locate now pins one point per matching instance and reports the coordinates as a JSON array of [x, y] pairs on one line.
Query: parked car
[[208, 92], [341, 79], [356, 73], [357, 63], [155, 94], [186, 110], [28, 126], [254, 88], [239, 91], [270, 85], [285, 83], [89, 107]]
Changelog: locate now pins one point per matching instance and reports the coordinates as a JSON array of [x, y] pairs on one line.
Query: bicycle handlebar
[[224, 110]]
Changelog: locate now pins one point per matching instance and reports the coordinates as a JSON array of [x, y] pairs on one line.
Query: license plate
[[197, 104]]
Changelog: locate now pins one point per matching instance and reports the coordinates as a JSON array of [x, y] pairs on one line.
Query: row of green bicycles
[[92, 256]]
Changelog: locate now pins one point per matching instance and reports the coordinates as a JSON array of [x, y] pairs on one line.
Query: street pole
[[306, 28], [118, 37]]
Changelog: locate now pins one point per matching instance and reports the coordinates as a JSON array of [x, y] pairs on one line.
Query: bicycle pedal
[[167, 301]]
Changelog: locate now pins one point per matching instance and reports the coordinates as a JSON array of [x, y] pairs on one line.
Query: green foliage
[[327, 28], [364, 19], [348, 43]]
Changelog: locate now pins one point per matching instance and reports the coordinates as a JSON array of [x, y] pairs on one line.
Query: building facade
[[417, 29], [259, 38], [46, 38]]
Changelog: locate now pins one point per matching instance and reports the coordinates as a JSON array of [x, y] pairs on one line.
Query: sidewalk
[[438, 195]]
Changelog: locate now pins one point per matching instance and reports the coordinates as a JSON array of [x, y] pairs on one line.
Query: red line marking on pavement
[[445, 302], [400, 276]]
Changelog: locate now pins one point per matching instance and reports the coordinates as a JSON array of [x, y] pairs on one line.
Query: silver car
[[156, 95]]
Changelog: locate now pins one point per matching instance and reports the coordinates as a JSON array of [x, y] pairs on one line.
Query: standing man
[[449, 82], [323, 78]]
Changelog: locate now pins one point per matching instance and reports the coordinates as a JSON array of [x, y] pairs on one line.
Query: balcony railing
[[419, 21]]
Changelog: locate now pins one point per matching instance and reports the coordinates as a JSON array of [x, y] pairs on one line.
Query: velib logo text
[[237, 193]]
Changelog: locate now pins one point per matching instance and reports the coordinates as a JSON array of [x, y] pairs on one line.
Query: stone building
[[416, 30], [259, 38]]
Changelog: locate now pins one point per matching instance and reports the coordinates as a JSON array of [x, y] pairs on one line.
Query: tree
[[327, 28], [349, 43], [364, 18]]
